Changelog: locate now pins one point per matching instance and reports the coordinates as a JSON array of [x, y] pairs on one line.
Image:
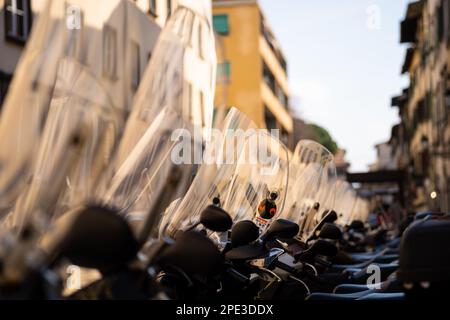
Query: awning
[[409, 24]]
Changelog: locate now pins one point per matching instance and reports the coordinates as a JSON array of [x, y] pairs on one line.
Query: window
[[169, 8], [224, 72], [152, 7], [109, 52], [440, 18], [269, 78], [17, 20], [220, 24], [136, 65], [5, 79], [271, 122], [281, 96]]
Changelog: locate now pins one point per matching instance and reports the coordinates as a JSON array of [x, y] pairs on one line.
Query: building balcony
[[274, 65], [276, 108]]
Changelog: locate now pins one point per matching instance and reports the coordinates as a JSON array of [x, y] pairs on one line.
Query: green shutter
[[220, 23], [224, 72]]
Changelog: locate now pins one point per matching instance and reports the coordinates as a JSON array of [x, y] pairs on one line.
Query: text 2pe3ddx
[[226, 310]]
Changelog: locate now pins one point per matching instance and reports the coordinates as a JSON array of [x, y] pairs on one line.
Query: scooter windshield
[[260, 182], [78, 140], [361, 210], [215, 174], [346, 199], [314, 190], [60, 31], [180, 74], [136, 186]]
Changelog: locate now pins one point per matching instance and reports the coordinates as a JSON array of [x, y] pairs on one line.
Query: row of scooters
[[97, 205], [241, 231]]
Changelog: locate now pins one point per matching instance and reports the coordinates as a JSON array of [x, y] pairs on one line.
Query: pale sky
[[344, 61]]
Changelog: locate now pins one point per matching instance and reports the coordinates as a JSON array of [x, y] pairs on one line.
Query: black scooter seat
[[384, 296], [247, 252], [333, 296]]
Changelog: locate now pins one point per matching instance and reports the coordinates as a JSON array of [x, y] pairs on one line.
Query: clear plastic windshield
[[138, 185], [260, 182], [152, 167], [180, 74], [24, 112], [214, 175], [249, 165], [361, 210], [78, 140], [345, 202], [313, 191], [60, 30]]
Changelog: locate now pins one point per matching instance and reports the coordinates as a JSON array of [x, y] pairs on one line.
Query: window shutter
[[220, 24]]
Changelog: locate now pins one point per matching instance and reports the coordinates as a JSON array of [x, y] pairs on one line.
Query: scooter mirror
[[357, 225], [324, 248], [330, 231], [282, 229], [243, 233], [331, 217], [92, 237], [194, 253], [328, 217], [216, 219]]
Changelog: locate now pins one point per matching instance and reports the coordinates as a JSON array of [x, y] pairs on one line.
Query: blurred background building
[[253, 70], [145, 17], [420, 143]]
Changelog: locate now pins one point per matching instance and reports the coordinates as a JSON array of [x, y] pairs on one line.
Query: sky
[[344, 61]]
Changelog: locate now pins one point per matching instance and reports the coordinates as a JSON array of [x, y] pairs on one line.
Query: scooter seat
[[388, 286], [333, 296], [363, 257], [350, 288], [385, 269], [383, 296], [342, 267]]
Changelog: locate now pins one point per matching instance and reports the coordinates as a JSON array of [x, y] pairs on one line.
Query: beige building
[[253, 70], [424, 108], [109, 40], [100, 22]]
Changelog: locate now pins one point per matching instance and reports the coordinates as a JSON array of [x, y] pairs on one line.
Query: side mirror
[[329, 217], [330, 231], [282, 229], [92, 237], [324, 248], [194, 253], [243, 233], [357, 225], [216, 219], [320, 247]]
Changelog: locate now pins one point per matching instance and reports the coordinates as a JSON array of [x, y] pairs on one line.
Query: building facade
[[17, 16], [253, 69], [421, 141]]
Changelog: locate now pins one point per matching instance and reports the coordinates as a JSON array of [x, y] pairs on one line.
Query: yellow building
[[252, 72]]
